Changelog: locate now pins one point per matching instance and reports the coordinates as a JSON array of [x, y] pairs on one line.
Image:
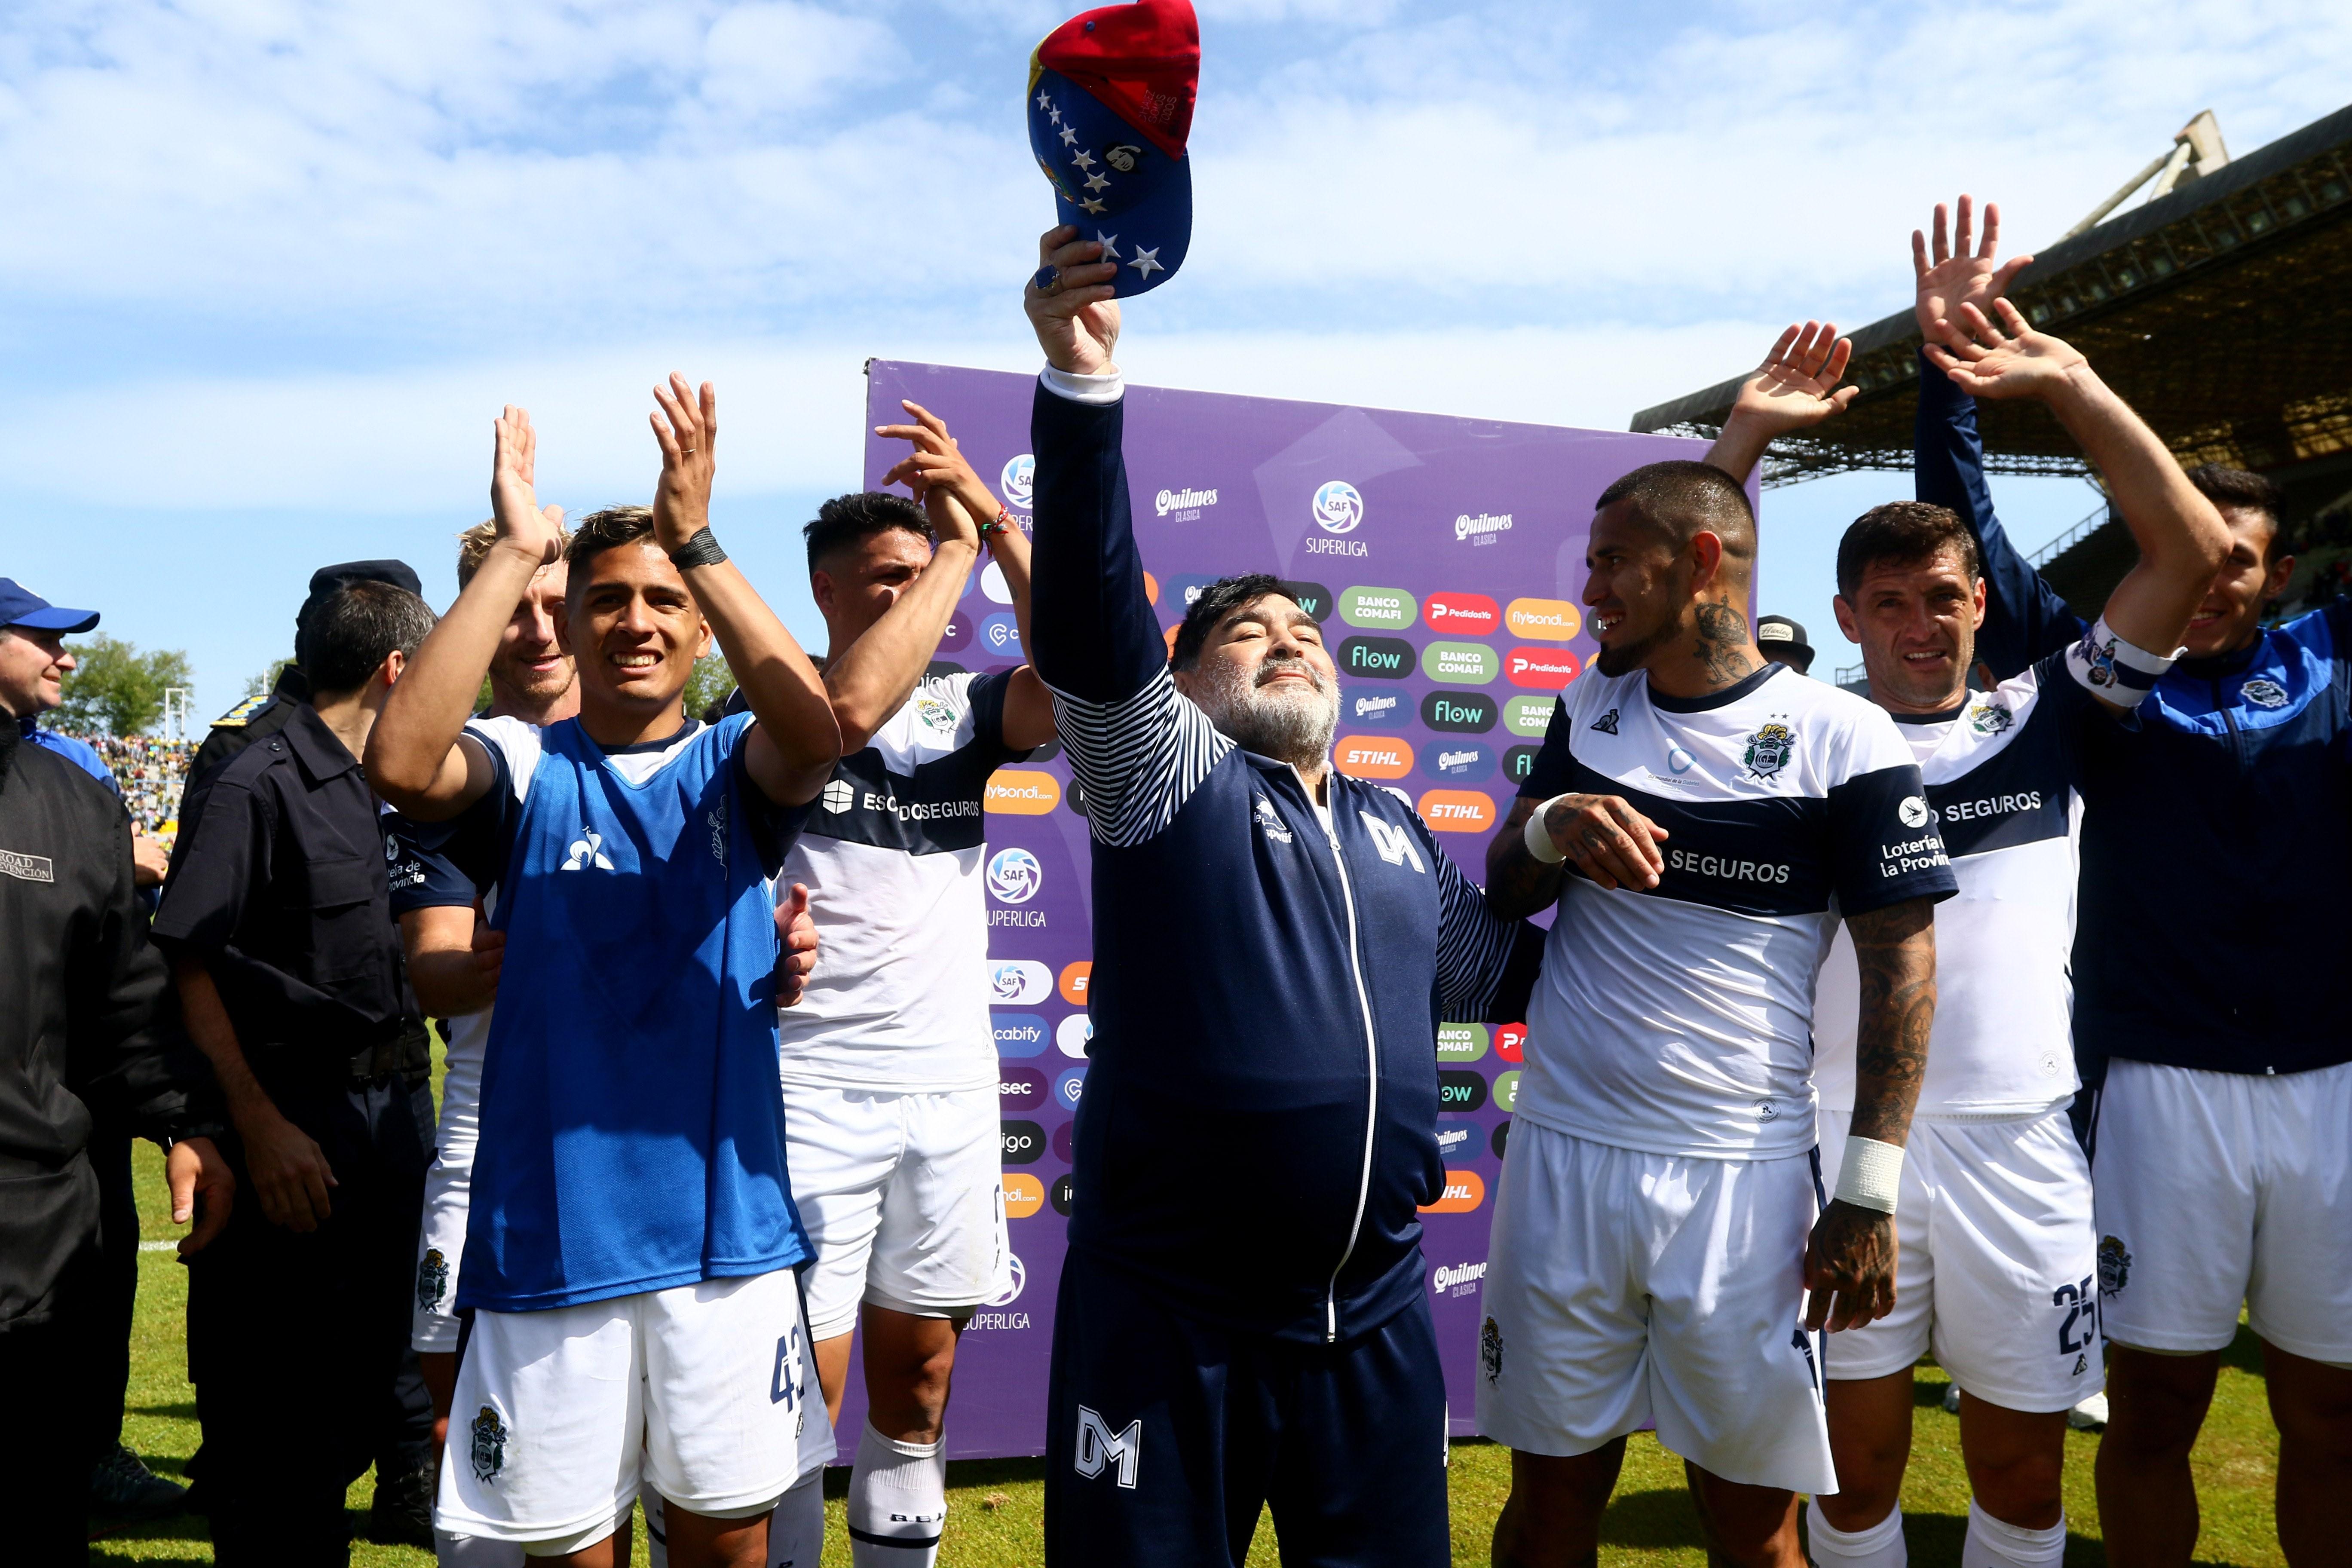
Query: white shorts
[[1624, 1288], [441, 1241], [2216, 1188], [1996, 1270], [704, 1391], [902, 1198]]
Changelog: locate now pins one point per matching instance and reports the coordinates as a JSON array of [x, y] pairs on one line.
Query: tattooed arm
[[1852, 1253], [1601, 835]]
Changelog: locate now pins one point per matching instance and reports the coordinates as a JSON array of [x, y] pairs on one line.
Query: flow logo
[[1018, 479], [1019, 982], [1381, 658], [587, 850], [1466, 713], [1519, 763], [839, 797], [1338, 507], [1015, 876], [1395, 843], [1460, 1089], [1312, 597]]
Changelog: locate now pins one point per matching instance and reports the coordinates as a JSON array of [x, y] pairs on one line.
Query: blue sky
[[271, 266]]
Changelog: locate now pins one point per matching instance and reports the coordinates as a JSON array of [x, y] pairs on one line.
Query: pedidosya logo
[[1338, 507], [1018, 479], [1015, 876]]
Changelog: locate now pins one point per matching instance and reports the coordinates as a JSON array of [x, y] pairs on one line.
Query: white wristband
[[1538, 837], [1872, 1173]]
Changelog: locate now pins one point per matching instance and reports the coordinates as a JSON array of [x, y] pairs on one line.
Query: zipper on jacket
[[1372, 1074]]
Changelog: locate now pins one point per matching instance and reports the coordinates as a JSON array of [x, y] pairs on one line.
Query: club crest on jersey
[[587, 850], [490, 1445], [432, 1279], [2115, 1265], [2263, 693], [1989, 718], [1607, 722], [1490, 1349], [935, 713], [1770, 748]]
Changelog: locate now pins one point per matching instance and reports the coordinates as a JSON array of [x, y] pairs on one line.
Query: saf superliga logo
[[1018, 481], [1015, 876], [1338, 507]]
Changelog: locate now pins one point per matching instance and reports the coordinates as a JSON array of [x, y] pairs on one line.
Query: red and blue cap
[[1110, 104]]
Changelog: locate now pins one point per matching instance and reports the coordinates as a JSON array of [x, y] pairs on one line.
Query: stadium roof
[[2221, 310]]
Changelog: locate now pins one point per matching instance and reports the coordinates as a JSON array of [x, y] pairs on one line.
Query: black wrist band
[[702, 549]]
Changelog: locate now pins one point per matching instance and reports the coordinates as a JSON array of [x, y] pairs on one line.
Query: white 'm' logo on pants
[[1395, 843], [1098, 1445]]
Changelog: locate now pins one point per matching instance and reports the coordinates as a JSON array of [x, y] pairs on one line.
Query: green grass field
[[993, 1519]]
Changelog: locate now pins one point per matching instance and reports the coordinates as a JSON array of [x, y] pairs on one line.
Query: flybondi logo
[[1015, 876], [1481, 527], [1338, 507], [1167, 501], [1100, 1448], [1018, 481], [1450, 1275]]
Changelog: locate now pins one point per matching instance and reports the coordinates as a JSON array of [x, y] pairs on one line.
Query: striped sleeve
[[1138, 759], [1485, 965]]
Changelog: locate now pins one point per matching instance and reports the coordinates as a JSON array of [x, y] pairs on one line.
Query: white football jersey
[[1679, 1021]]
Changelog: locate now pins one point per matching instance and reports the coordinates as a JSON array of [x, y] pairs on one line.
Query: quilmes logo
[[587, 850], [1453, 1276], [1190, 501], [1465, 760], [1018, 481], [1385, 709], [1019, 982], [1338, 507], [1015, 876], [1482, 528]]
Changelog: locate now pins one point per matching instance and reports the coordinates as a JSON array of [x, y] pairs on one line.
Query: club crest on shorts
[[432, 1279], [490, 1445], [1490, 1349], [1768, 750], [1989, 718], [2115, 1265]]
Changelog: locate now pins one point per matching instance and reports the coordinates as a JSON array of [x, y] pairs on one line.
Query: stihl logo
[[1099, 1448], [1395, 843]]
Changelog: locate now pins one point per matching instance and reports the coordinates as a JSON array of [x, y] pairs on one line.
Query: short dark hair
[[1218, 600], [1680, 498], [607, 529], [2247, 492], [353, 630], [852, 518], [1904, 533]]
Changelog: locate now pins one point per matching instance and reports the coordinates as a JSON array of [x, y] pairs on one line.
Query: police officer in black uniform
[[278, 918], [257, 718]]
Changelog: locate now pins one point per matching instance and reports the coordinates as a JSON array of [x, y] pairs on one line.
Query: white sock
[[797, 1530], [656, 1527], [1879, 1546], [898, 1502], [1990, 1543]]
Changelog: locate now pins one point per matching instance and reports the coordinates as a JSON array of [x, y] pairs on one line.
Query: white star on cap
[[1082, 158], [1094, 182], [1110, 244], [1044, 101], [1147, 261], [1090, 205], [1053, 116], [1070, 137]]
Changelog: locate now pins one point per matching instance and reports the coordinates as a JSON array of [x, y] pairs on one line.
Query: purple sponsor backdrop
[[1444, 557]]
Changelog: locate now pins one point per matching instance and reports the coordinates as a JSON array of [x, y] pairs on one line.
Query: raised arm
[[1795, 389], [2181, 538], [794, 741], [1138, 747], [2025, 616], [958, 499], [415, 759]]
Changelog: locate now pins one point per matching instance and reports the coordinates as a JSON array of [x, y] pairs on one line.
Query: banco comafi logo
[[1018, 481], [1015, 876], [1338, 507]]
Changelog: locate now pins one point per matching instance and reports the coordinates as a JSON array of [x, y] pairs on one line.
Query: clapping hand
[[1986, 363], [1070, 303], [514, 503], [1950, 276]]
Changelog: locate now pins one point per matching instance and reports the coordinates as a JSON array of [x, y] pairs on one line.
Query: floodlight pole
[[2197, 149], [176, 699]]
